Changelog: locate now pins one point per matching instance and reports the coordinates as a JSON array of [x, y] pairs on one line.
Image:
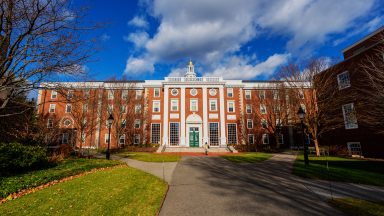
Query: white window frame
[[69, 94], [110, 108], [248, 108], [124, 94], [137, 108], [214, 139], [50, 123], [85, 108], [53, 94], [211, 102], [122, 137], [86, 92], [159, 135], [137, 124], [176, 136], [136, 137], [156, 92], [139, 94], [111, 95], [263, 109], [248, 95], [123, 109], [262, 94], [233, 106], [266, 123], [191, 105], [156, 106], [347, 116], [253, 139], [228, 134], [230, 92], [174, 102], [263, 139], [52, 108], [249, 123], [68, 106], [301, 94], [343, 82]]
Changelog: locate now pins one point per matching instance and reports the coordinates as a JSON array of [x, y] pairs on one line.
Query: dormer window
[[343, 80]]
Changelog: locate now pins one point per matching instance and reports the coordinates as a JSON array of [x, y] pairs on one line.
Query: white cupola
[[191, 70]]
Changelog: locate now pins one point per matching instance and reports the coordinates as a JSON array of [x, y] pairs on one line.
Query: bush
[[16, 157]]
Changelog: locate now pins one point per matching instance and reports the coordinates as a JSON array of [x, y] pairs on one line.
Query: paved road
[[214, 186]]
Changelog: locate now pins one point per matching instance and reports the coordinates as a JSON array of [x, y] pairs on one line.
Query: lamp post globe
[[109, 121], [301, 114]]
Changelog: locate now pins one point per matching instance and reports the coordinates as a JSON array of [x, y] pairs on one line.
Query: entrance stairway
[[188, 149]]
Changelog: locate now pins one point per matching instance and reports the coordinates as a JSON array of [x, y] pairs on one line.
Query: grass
[[358, 207], [149, 157], [251, 157], [341, 169], [68, 167], [117, 191]]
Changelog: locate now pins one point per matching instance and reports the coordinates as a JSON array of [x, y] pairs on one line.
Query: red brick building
[[355, 97], [175, 112]]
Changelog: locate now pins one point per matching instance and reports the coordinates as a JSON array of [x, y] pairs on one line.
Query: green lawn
[[69, 167], [251, 157], [341, 169], [358, 207], [117, 191], [150, 157]]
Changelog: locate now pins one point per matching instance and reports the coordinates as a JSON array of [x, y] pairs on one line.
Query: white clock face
[[212, 92], [193, 92], [174, 92]]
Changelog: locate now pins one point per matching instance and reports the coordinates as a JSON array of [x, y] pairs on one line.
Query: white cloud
[[136, 66], [138, 21], [177, 72], [105, 37], [241, 68], [139, 39]]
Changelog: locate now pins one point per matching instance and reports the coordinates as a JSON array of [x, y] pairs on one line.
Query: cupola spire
[[191, 70]]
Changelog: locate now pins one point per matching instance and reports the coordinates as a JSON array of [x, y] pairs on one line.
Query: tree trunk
[[317, 148]]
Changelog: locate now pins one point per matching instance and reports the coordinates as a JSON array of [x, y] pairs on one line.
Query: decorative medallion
[[193, 92], [67, 122], [212, 92], [174, 92]]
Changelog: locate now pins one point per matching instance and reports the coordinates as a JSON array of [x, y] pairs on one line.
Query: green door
[[193, 137]]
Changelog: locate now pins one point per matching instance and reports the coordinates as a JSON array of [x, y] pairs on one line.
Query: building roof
[[363, 39]]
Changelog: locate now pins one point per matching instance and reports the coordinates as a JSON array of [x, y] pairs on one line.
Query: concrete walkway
[[214, 186]]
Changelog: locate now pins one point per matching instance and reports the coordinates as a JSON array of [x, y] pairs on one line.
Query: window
[[106, 138], [156, 106], [123, 109], [174, 134], [349, 114], [86, 93], [52, 108], [247, 94], [193, 106], [232, 133], [53, 94], [214, 134], [65, 138], [69, 95], [264, 123], [67, 122], [231, 106], [212, 105], [68, 108], [193, 92], [124, 94], [136, 139], [262, 95], [251, 139], [280, 139], [249, 123], [263, 109], [123, 123], [229, 92], [301, 94], [156, 92], [50, 123], [138, 94], [265, 139], [122, 139], [110, 108], [343, 80], [174, 92], [212, 92], [137, 123], [174, 105], [110, 95], [85, 108], [155, 133], [303, 107], [275, 94], [83, 137], [137, 108], [354, 149], [248, 108]]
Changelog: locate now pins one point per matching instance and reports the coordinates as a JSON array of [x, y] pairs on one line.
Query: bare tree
[[38, 40], [317, 94]]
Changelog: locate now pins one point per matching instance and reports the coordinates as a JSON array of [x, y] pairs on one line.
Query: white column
[[223, 141], [182, 116], [205, 115], [165, 116]]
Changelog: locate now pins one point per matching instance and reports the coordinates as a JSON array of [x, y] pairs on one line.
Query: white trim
[[190, 105], [231, 102], [205, 115], [210, 102], [251, 121], [343, 85], [253, 138], [154, 92], [262, 139], [156, 104], [165, 116], [182, 117], [177, 104], [223, 139], [53, 93], [52, 106], [230, 91], [151, 136]]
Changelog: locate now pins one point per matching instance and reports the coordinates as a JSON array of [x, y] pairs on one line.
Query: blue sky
[[236, 39]]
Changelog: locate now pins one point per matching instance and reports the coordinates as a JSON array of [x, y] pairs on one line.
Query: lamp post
[[110, 121], [301, 114]]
